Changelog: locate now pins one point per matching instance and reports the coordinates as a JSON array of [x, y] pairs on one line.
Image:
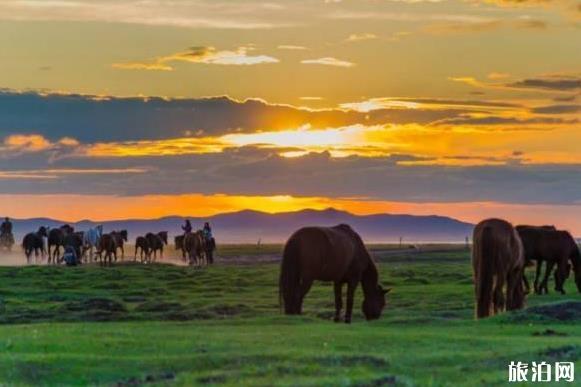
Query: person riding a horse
[[6, 236], [6, 227], [207, 231], [187, 227]]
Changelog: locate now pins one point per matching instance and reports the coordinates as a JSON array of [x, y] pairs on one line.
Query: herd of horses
[[95, 245], [500, 254]]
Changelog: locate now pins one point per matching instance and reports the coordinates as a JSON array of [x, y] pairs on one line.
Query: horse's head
[[42, 231], [163, 236], [374, 303], [67, 229], [124, 235]]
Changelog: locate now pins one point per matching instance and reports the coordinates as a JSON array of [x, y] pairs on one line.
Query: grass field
[[164, 324]]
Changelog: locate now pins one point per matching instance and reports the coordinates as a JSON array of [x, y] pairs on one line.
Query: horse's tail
[[289, 280], [486, 257]]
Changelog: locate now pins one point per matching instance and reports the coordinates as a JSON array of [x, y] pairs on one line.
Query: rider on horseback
[[187, 227], [6, 227], [207, 231], [6, 237]]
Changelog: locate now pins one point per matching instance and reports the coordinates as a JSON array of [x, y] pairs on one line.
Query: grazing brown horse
[[34, 242], [56, 238], [179, 245], [529, 236], [194, 247], [555, 247], [156, 242], [108, 246], [141, 243], [498, 262], [120, 237], [330, 254]]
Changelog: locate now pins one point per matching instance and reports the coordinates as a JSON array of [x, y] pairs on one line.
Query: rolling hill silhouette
[[248, 226]]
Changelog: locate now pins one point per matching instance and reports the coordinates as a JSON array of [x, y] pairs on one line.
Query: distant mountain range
[[249, 226]]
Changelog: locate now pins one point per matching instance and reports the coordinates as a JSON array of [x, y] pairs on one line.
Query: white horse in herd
[[91, 239]]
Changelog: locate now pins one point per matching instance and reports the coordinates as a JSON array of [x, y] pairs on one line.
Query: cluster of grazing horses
[[330, 254], [89, 245], [500, 254], [197, 250]]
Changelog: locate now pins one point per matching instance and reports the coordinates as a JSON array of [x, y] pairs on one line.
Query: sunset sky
[[143, 108]]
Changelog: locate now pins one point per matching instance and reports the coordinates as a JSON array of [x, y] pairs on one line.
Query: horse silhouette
[[497, 260], [330, 254]]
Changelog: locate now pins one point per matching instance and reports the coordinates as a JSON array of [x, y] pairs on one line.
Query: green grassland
[[162, 324]]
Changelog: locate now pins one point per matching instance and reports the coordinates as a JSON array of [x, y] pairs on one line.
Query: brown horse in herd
[[498, 262], [120, 239], [107, 245], [330, 254], [156, 243], [141, 243], [34, 242], [179, 245], [194, 247], [555, 247], [55, 240]]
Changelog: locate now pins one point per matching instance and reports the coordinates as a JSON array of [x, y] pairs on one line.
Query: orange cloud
[[201, 54]]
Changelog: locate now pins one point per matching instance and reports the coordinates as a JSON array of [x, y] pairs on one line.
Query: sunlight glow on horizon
[[73, 208]]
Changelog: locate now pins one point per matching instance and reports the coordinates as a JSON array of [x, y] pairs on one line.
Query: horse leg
[[514, 291], [560, 276], [538, 276], [338, 287], [351, 286], [525, 280], [545, 283], [304, 288], [499, 300]]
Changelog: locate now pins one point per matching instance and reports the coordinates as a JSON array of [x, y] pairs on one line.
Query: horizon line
[[230, 213]]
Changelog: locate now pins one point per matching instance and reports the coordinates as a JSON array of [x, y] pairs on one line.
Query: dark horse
[[209, 247], [120, 237], [156, 242], [56, 238], [555, 247], [330, 254], [34, 242], [179, 245], [108, 246], [497, 260], [193, 245], [141, 243], [528, 236]]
